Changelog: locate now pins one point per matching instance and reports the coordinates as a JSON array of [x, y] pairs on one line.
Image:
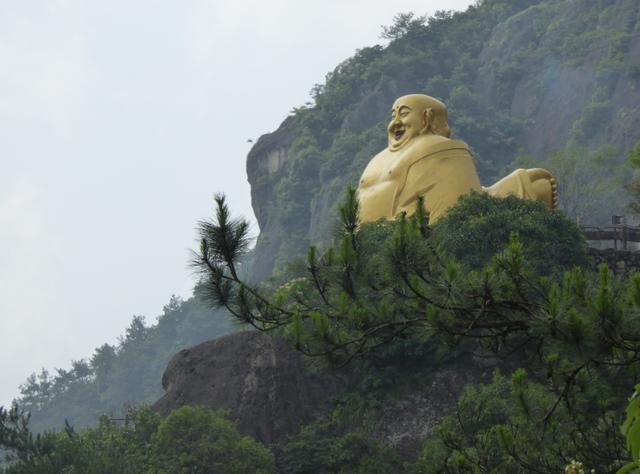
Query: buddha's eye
[[404, 113]]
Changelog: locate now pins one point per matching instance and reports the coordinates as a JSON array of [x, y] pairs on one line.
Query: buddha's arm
[[441, 178]]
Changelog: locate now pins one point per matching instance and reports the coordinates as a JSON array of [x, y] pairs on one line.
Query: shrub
[[199, 440], [480, 226]]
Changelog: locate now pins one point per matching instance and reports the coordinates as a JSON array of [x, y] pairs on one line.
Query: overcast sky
[[119, 120]]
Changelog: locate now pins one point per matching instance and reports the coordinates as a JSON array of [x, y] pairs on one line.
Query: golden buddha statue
[[421, 159]]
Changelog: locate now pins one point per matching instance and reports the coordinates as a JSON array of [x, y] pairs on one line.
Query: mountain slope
[[520, 78]]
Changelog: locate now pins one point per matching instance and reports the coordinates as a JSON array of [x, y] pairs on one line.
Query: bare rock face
[[265, 162], [560, 93], [259, 379], [270, 395]]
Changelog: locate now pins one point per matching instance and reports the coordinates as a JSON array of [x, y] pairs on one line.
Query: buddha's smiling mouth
[[398, 133]]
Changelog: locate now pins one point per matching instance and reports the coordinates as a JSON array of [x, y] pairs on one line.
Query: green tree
[[357, 296], [631, 429], [191, 439], [480, 227], [577, 331], [110, 447], [202, 441], [590, 182], [634, 186], [504, 426], [324, 448], [125, 374], [403, 24]]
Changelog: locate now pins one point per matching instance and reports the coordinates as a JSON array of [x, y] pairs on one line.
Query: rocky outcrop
[[258, 378], [266, 158], [262, 382]]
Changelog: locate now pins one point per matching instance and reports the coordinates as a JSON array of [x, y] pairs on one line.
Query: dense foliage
[[631, 429], [383, 280], [190, 439], [518, 425], [480, 226], [128, 373], [634, 185], [326, 447], [587, 179], [386, 300], [575, 335]]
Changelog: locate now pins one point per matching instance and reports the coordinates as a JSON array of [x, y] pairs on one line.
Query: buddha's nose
[[393, 124]]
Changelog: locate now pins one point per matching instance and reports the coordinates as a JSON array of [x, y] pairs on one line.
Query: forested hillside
[[128, 373], [515, 357], [528, 82], [547, 82]]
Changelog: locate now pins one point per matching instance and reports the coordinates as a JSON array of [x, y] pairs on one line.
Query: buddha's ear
[[427, 119]]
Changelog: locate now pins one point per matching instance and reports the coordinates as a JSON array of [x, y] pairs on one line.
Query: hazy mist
[[119, 121]]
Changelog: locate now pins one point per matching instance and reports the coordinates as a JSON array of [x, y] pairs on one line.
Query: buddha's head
[[414, 115]]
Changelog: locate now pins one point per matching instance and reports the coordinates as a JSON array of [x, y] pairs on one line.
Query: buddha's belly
[[376, 201]]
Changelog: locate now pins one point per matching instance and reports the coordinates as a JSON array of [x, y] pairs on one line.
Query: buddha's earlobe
[[427, 118]]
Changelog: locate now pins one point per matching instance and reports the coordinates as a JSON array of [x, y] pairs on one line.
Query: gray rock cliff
[[262, 382], [259, 379]]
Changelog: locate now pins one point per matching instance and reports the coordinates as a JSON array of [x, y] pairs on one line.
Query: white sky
[[119, 120]]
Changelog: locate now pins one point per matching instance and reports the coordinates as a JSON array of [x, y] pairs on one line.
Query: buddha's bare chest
[[384, 168]]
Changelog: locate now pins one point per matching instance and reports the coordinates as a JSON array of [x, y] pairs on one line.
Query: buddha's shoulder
[[420, 147], [383, 158], [426, 145]]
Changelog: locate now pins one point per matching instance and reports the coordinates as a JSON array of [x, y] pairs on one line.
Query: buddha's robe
[[441, 172]]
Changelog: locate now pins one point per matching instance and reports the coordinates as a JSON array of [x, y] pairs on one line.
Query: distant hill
[[126, 374], [523, 79]]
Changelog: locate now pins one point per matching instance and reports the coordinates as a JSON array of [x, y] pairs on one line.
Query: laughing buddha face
[[414, 115]]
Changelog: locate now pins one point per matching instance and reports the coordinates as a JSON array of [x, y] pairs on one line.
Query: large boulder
[[270, 395], [259, 379]]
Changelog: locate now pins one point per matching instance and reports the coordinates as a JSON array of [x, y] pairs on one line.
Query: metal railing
[[619, 235]]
